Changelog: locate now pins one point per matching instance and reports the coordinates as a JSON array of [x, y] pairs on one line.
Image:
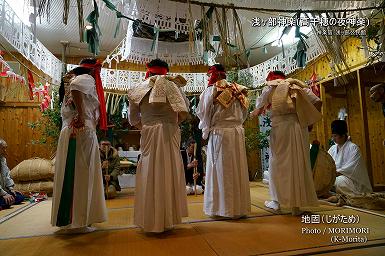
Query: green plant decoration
[[244, 78], [256, 140], [50, 123]]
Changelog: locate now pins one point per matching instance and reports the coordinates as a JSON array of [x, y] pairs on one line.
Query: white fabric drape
[[291, 181], [354, 179], [160, 196], [88, 198], [227, 191]]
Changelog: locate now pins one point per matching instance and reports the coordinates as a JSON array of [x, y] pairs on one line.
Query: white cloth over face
[[227, 191], [291, 180], [88, 198], [160, 196], [349, 162]]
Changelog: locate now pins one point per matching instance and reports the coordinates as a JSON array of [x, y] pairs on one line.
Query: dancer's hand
[[193, 164], [196, 175], [256, 112], [107, 178], [105, 164], [79, 121]]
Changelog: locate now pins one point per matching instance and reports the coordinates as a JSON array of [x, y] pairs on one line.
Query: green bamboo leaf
[[110, 5]]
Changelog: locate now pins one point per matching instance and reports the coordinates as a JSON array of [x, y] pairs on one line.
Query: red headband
[[216, 75], [273, 76], [155, 70], [99, 90]]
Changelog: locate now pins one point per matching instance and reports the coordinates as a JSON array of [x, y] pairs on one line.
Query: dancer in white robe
[[78, 196], [293, 110], [157, 106], [352, 176], [227, 192]]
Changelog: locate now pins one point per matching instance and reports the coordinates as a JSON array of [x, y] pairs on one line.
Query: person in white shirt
[[294, 108], [157, 106], [78, 193], [222, 109], [352, 176]]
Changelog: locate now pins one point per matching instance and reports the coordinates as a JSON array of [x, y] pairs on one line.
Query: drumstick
[[106, 188], [195, 170]]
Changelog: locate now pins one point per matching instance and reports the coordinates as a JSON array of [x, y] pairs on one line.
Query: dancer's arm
[[77, 97]]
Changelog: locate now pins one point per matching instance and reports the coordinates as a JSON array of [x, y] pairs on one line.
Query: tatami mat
[[30, 232], [14, 208]]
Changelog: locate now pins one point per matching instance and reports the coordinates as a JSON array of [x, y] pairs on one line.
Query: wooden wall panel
[[321, 65], [330, 108], [16, 111], [376, 124], [15, 131], [354, 117]]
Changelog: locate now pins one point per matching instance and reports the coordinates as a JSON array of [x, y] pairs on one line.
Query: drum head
[[324, 173]]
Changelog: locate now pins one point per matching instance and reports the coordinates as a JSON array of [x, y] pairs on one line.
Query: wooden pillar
[[364, 126], [323, 131]]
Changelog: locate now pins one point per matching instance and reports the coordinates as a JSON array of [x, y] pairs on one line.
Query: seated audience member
[[352, 176], [111, 167], [189, 165], [8, 195]]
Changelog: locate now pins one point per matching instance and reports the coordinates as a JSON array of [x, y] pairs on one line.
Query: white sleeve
[[263, 99], [83, 83], [186, 101], [311, 96], [353, 155], [205, 110]]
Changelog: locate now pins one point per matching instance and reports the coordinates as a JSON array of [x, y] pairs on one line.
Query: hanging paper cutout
[[7, 72]]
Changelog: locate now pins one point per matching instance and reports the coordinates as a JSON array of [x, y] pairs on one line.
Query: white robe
[[160, 195], [354, 179], [291, 180], [88, 198], [227, 191]]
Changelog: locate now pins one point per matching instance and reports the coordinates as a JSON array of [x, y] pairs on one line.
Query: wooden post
[[364, 126], [195, 169], [324, 128]]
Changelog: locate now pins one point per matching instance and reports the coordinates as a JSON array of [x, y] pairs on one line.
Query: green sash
[[64, 216]]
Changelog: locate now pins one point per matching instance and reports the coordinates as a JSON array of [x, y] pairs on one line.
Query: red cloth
[[155, 70], [216, 75], [272, 76], [31, 84], [99, 90], [314, 87]]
